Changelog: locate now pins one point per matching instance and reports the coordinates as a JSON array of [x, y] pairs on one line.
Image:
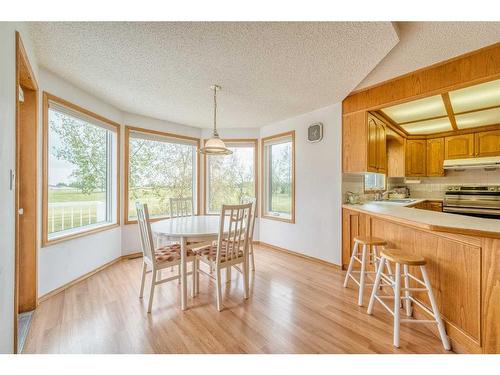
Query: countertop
[[431, 220]]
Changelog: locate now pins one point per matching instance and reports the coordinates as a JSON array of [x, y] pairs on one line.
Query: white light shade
[[479, 118], [416, 110], [428, 126], [215, 146], [475, 97]]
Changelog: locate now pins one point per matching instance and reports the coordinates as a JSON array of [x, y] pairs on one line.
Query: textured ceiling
[[426, 43], [269, 71]]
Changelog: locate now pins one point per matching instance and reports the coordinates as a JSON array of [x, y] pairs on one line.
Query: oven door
[[487, 201], [472, 211]]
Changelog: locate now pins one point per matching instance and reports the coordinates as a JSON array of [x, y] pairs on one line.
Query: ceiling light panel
[[428, 126], [479, 118], [416, 110], [476, 97]]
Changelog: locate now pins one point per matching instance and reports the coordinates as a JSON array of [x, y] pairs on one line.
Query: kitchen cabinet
[[459, 146], [415, 159], [395, 154], [363, 144], [435, 157], [429, 206], [487, 143]]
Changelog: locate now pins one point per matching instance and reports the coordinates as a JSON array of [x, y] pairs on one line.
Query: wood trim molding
[[45, 142], [294, 253], [449, 110], [255, 142], [262, 171], [62, 288], [128, 129], [25, 77], [462, 71]]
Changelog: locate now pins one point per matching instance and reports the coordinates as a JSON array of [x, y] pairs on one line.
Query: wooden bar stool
[[372, 258], [399, 258]]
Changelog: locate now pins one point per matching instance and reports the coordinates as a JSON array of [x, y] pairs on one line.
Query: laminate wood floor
[[296, 306]]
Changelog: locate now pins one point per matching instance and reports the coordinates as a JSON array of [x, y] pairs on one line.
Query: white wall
[[318, 176], [7, 163], [62, 263]]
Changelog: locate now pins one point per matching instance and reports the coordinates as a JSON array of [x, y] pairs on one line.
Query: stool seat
[[397, 256], [369, 240]]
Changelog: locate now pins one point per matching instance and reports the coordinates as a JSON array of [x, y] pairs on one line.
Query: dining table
[[188, 229]]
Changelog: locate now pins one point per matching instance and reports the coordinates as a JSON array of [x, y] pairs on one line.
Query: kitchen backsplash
[[435, 187], [429, 187]]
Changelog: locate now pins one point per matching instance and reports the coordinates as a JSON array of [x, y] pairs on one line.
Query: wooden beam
[[449, 110]]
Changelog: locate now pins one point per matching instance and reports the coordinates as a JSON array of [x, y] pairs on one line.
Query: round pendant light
[[215, 145]]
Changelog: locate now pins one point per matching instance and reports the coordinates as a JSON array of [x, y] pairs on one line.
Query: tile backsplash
[[435, 187], [429, 187]]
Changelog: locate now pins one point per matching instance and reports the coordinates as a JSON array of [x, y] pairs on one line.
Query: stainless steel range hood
[[488, 163]]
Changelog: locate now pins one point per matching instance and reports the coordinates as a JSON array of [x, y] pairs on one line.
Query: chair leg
[[179, 271], [193, 279], [435, 310], [362, 276], [376, 286], [228, 274], [219, 289], [408, 307], [152, 290], [143, 278], [197, 276], [253, 258], [397, 300], [245, 269], [375, 257], [351, 263]]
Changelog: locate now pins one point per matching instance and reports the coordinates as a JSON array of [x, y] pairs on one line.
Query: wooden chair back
[[145, 232], [233, 244], [180, 207]]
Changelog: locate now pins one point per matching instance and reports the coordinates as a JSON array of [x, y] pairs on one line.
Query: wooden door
[[487, 143], [381, 147], [372, 162], [25, 295], [435, 157], [416, 150], [459, 146]]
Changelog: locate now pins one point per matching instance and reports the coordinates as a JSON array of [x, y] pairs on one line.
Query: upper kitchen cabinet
[[364, 143], [435, 157], [395, 154], [459, 146], [487, 143], [416, 151]]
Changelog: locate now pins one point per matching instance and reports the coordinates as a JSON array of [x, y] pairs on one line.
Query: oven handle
[[471, 210]]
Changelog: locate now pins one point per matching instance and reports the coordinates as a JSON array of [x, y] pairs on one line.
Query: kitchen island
[[463, 255]]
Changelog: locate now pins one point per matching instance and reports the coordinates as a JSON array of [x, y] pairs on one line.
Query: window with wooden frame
[[278, 177], [231, 179], [80, 171], [159, 166], [374, 182]]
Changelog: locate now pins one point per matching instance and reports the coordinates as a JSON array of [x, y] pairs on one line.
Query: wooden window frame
[[232, 141], [45, 168], [291, 134], [128, 129]]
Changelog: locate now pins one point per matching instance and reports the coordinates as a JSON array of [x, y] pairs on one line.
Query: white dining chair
[[159, 258], [178, 207], [252, 227], [231, 248]]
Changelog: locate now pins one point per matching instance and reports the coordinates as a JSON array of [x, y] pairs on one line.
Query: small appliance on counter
[[352, 198], [400, 192], [481, 201]]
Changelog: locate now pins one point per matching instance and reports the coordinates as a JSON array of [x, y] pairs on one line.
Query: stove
[[481, 201]]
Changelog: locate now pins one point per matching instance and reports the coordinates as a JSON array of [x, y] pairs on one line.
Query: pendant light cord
[[215, 112]]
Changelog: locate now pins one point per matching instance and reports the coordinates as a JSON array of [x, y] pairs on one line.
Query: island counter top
[[430, 220]]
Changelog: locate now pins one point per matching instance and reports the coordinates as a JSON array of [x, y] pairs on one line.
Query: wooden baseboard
[[303, 256], [87, 275]]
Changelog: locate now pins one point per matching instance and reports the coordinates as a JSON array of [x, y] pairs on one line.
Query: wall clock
[[315, 132]]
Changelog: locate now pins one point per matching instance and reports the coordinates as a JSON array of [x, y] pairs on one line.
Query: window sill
[[101, 228], [290, 220]]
